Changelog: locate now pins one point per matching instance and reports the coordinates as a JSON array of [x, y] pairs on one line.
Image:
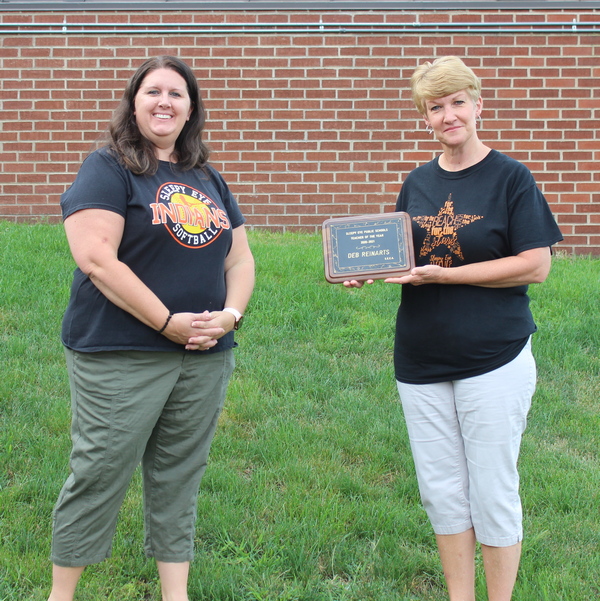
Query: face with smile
[[162, 106], [453, 118]]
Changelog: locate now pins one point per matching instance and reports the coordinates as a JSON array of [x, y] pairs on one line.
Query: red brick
[[291, 116]]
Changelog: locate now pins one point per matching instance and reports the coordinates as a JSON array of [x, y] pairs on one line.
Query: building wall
[[310, 124]]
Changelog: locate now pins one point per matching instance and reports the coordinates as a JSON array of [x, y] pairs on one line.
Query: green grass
[[310, 493]]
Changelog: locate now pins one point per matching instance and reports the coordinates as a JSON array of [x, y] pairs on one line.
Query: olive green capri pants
[[157, 408]]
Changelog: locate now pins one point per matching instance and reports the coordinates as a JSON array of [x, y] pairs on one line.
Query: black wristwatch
[[238, 317]]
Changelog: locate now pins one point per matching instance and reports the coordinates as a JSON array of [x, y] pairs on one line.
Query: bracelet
[[166, 323]]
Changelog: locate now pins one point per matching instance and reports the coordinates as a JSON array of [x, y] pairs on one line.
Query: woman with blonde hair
[[465, 372]]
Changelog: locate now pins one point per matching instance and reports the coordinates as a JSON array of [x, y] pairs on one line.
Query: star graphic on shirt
[[441, 229]]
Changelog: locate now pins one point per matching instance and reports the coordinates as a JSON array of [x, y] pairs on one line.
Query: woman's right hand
[[196, 331], [94, 237], [356, 283]]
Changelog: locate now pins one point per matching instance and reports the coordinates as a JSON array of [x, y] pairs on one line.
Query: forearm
[[195, 331], [94, 237], [239, 279], [529, 267], [123, 288], [498, 273]]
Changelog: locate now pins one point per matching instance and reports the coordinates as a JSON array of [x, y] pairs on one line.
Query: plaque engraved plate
[[367, 247]]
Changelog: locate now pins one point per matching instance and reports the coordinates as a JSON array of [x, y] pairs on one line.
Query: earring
[[480, 122], [429, 129]]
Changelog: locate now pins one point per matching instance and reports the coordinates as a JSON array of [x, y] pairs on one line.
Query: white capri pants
[[465, 437]]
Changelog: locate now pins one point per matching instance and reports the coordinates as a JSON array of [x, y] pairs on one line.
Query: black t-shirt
[[177, 234], [488, 211]]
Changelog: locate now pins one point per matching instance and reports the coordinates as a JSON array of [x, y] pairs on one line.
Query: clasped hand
[[199, 331]]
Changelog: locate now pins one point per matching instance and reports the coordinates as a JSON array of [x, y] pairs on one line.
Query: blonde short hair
[[446, 75]]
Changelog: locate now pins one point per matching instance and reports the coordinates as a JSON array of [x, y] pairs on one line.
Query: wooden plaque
[[367, 247]]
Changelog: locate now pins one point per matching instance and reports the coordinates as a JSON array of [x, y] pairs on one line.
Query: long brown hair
[[136, 151]]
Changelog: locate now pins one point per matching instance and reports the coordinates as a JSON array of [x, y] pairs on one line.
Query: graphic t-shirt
[[177, 233], [488, 211]]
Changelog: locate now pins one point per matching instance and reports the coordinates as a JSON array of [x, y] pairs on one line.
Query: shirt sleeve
[[229, 202], [532, 224], [100, 184]]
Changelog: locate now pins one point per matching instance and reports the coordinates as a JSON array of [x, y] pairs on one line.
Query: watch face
[[238, 323]]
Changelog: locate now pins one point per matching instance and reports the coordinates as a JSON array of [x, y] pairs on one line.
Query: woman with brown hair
[[164, 274]]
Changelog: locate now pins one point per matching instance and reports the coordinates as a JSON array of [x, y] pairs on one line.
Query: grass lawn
[[310, 494]]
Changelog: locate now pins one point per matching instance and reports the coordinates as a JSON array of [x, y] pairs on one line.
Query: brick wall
[[312, 124]]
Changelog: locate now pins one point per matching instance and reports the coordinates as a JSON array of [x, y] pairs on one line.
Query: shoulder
[[227, 197], [102, 182], [425, 168], [422, 172], [100, 165], [507, 165], [102, 160], [211, 172], [504, 174]]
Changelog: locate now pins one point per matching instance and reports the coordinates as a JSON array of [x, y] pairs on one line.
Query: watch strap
[[238, 316]]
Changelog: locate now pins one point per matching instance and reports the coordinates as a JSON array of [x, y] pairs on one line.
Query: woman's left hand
[[239, 277], [220, 321], [427, 274], [528, 267]]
